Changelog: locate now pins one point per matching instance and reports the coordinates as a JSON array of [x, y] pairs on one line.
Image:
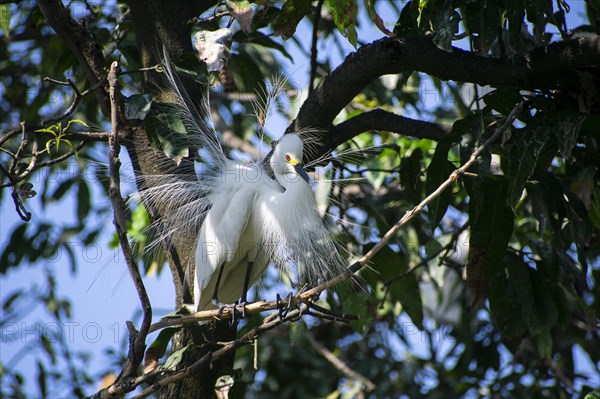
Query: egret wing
[[219, 237]]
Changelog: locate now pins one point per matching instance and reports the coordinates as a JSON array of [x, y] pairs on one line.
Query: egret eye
[[287, 157]]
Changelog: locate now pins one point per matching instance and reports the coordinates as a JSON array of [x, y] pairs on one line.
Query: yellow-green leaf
[[79, 121], [5, 19]]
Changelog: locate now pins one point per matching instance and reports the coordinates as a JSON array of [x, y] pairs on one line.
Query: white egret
[[249, 220], [248, 209]]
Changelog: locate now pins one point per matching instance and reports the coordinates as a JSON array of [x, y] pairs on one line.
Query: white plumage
[[254, 219], [247, 217]]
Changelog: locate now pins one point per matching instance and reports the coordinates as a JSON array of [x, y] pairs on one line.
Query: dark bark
[[379, 119]]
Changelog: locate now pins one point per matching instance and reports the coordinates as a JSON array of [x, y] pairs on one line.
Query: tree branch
[[417, 209], [338, 364], [549, 67], [379, 119], [268, 324], [137, 341]]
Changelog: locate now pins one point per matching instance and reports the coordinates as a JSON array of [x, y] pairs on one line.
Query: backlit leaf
[[291, 14], [344, 17]]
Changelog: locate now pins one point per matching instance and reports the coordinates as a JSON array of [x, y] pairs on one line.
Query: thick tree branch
[[379, 119], [549, 67]]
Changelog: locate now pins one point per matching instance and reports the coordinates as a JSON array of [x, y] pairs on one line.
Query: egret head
[[286, 160]]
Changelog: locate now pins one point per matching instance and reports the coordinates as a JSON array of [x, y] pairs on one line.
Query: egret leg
[[247, 282], [215, 297], [221, 306], [244, 298]]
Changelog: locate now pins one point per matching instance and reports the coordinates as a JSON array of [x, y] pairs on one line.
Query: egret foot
[[234, 308], [283, 307]]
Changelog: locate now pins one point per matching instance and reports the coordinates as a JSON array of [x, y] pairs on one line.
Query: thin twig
[[136, 351], [338, 364], [430, 257], [33, 166], [76, 99], [64, 156], [417, 209], [87, 136]]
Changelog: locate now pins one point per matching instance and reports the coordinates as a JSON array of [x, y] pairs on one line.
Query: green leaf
[[5, 19], [263, 40], [248, 74], [344, 18], [483, 19], [544, 344], [410, 176], [78, 121], [406, 290], [12, 298], [158, 348], [187, 65], [492, 226], [437, 172], [515, 13], [595, 394], [166, 123], [407, 23], [48, 347], [137, 106], [83, 201], [519, 279], [61, 190], [291, 14], [445, 25], [377, 19], [471, 130], [41, 379], [492, 222], [522, 159], [46, 130], [175, 358], [356, 303], [503, 100], [13, 253], [566, 126]]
